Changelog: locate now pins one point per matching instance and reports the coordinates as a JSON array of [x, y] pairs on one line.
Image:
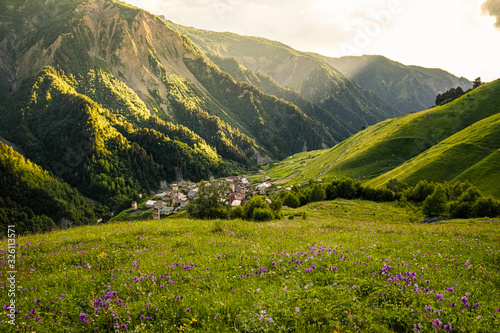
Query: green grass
[[329, 272], [470, 154]]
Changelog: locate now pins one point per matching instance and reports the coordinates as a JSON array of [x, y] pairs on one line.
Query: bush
[[291, 200], [436, 203], [317, 193], [237, 212], [262, 214], [420, 192], [331, 192], [460, 210], [486, 207], [347, 188], [382, 194], [254, 203]]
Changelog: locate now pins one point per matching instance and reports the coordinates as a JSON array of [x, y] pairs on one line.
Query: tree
[[317, 193], [291, 200], [209, 202], [477, 83], [254, 203], [436, 203]]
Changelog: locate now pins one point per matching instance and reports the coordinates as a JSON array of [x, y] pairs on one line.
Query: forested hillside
[[332, 96], [34, 200]]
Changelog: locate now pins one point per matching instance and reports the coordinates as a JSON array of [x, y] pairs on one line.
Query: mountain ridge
[[393, 80]]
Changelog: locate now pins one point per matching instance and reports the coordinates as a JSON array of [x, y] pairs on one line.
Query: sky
[[459, 36]]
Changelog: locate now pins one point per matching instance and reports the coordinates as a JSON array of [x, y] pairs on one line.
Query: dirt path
[[287, 179], [338, 158]]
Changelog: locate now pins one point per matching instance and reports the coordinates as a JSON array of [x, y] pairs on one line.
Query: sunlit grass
[[327, 272]]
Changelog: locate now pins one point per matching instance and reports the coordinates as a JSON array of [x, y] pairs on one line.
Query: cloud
[[492, 8]]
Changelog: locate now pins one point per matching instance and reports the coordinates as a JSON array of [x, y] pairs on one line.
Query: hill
[[406, 88], [456, 141]]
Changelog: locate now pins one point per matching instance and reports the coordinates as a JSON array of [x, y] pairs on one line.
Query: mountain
[[457, 141], [406, 88], [268, 64], [113, 101]]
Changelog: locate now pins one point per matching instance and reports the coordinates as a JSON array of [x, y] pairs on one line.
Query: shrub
[[317, 193], [237, 212], [420, 192], [291, 200], [262, 214], [347, 188], [486, 207], [436, 203], [254, 203]]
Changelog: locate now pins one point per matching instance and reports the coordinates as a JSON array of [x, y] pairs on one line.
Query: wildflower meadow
[[339, 266]]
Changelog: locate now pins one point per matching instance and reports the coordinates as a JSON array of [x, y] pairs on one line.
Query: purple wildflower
[[437, 324], [83, 317]]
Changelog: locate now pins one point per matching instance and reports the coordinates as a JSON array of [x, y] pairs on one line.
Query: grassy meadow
[[339, 266]]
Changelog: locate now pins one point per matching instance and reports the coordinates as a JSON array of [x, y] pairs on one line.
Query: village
[[176, 199]]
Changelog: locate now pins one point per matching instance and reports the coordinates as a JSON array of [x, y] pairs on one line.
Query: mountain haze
[[406, 88], [310, 77]]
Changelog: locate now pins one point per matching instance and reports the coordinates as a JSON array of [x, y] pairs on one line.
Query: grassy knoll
[[349, 266], [470, 154]]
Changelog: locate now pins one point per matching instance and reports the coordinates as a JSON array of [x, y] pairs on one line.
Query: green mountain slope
[[312, 78], [471, 154], [406, 88], [34, 200], [163, 69], [95, 149], [457, 141]]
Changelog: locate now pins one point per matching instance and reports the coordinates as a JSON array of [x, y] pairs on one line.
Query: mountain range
[[113, 100]]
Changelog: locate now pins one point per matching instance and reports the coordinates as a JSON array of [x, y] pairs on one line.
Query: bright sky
[[455, 35]]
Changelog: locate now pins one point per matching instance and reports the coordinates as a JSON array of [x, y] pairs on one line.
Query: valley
[[156, 177]]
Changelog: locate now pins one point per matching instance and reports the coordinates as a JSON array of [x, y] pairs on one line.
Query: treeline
[[35, 201], [455, 93], [449, 200]]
